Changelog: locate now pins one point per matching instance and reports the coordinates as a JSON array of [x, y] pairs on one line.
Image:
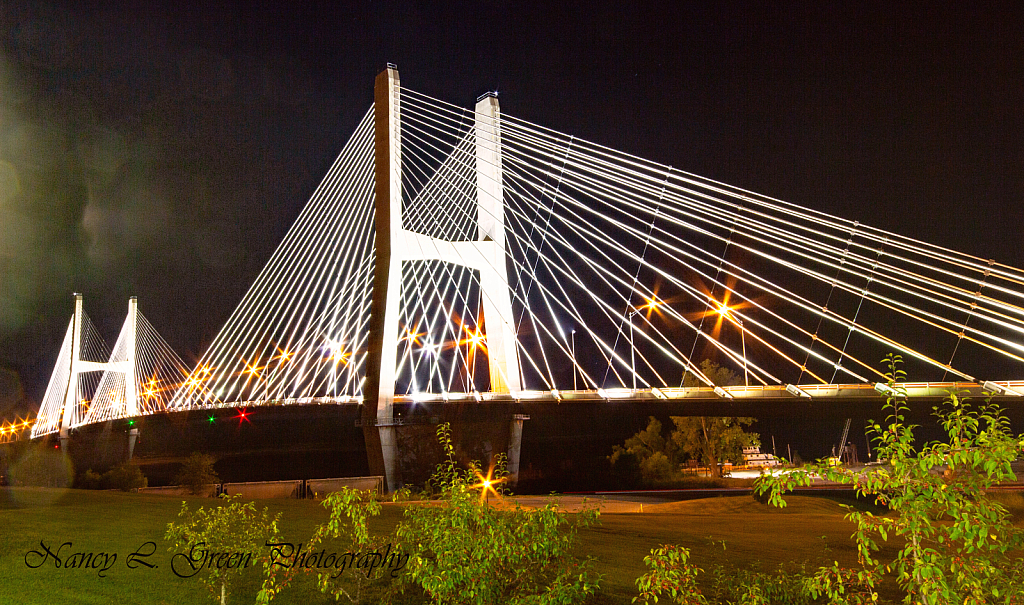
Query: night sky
[[162, 151]]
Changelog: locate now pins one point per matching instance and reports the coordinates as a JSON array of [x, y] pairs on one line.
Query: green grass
[[809, 530]]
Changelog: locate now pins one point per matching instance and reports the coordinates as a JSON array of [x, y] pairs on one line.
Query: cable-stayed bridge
[[455, 254]]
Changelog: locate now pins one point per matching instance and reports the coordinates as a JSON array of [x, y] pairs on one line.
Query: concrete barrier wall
[[265, 489], [318, 488], [209, 490], [276, 489]]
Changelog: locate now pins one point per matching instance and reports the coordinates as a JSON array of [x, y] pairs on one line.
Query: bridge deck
[[915, 390]]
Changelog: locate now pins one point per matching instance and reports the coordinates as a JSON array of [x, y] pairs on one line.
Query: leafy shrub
[[670, 573], [657, 468], [959, 544], [233, 527], [784, 586], [90, 479], [125, 477], [465, 551]]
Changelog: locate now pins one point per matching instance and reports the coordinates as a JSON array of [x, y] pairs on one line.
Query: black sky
[[162, 150]]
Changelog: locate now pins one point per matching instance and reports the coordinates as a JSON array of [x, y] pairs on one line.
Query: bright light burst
[[486, 483], [474, 338]]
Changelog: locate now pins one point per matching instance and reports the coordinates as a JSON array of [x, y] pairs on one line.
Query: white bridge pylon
[[396, 246], [138, 376]]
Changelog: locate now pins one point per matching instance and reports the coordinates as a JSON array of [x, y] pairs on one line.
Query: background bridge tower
[[80, 330], [395, 245], [137, 376]]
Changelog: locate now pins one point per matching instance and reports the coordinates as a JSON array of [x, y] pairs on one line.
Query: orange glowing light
[[473, 337], [487, 483], [412, 337]]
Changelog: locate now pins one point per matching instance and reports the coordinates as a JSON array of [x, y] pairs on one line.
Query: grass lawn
[[811, 529]]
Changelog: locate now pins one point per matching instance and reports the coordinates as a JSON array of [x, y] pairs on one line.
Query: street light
[[473, 340], [572, 335], [432, 350], [651, 304], [632, 349], [743, 341], [726, 312]]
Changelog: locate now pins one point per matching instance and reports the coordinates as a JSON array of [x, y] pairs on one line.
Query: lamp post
[[651, 304], [572, 335], [743, 341], [727, 313], [469, 353], [632, 349], [431, 350]]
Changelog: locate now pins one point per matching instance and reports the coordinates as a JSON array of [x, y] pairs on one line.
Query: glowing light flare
[[337, 353], [197, 378], [722, 311], [151, 388], [283, 355], [243, 416], [487, 483], [251, 369], [412, 337], [651, 306], [12, 429], [474, 338]]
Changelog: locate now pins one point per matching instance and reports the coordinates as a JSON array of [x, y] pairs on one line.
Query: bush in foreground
[[232, 527], [959, 543], [466, 551], [671, 575], [125, 477], [458, 549]]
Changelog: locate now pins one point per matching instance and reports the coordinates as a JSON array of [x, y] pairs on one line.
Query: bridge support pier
[[515, 446], [133, 437]]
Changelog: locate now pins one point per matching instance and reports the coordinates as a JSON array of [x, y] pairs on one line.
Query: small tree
[[196, 473], [460, 550], [713, 439], [125, 477], [350, 512], [647, 452], [221, 532], [958, 544]]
